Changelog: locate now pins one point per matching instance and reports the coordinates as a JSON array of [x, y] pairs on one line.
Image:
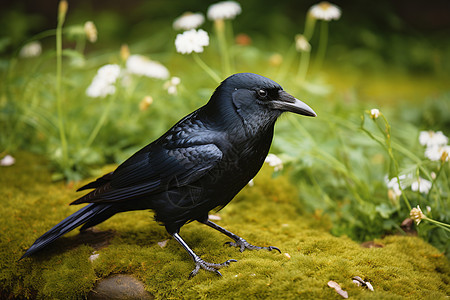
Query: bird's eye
[[262, 93]]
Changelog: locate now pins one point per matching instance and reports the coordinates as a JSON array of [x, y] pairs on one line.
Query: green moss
[[265, 214]]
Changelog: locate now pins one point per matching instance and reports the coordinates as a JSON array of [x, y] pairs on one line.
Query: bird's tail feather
[[78, 218]]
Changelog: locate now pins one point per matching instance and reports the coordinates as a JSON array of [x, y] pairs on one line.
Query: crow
[[197, 166]]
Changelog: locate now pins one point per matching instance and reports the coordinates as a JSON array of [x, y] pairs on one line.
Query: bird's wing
[[154, 169]]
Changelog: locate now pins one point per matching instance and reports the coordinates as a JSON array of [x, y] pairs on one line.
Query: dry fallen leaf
[[337, 287], [162, 244]]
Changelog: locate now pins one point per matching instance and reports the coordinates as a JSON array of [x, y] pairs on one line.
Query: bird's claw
[[211, 267], [243, 244]]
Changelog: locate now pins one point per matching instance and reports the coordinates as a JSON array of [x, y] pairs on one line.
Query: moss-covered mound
[[265, 214]]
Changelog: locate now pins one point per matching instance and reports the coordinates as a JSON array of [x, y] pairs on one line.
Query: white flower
[[417, 215], [251, 183], [374, 113], [191, 41], [302, 44], [171, 85], [140, 65], [7, 161], [436, 153], [188, 21], [31, 49], [91, 31], [109, 73], [395, 186], [274, 161], [325, 11], [224, 10], [103, 83], [421, 185], [431, 138]]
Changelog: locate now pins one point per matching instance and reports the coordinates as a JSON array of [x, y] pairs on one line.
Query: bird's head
[[255, 99]]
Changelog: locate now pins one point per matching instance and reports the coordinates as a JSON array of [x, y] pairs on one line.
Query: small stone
[[333, 284], [94, 256], [369, 286], [371, 244], [408, 226], [359, 282], [358, 279], [119, 286], [356, 282], [7, 161], [337, 287], [163, 244], [214, 217]]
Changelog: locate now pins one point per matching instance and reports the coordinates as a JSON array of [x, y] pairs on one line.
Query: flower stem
[[303, 66], [219, 26], [309, 26], [305, 55], [62, 134], [287, 63], [440, 224], [100, 122], [206, 68], [388, 147], [433, 183], [323, 40]]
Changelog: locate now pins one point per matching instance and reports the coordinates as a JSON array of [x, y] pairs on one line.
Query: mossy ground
[[265, 214]]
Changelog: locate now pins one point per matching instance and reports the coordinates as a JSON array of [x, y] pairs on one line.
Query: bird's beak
[[286, 102]]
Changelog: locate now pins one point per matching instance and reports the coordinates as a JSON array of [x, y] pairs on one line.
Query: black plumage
[[198, 165]]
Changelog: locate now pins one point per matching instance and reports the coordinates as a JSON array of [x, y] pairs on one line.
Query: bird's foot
[[211, 267], [243, 244]]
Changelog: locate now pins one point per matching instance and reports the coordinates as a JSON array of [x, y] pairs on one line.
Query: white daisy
[[325, 11], [103, 83], [91, 31], [395, 186], [7, 161], [274, 161], [436, 153], [109, 73], [431, 138], [421, 185], [141, 65], [191, 41], [416, 214], [31, 49], [302, 44], [188, 21], [171, 85], [224, 10], [374, 113]]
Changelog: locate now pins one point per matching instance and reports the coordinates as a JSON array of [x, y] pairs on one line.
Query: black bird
[[199, 165]]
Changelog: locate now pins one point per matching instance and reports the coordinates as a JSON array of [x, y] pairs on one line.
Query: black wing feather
[[155, 168]]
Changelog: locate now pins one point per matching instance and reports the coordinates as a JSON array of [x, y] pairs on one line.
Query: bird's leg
[[200, 263], [238, 241]]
